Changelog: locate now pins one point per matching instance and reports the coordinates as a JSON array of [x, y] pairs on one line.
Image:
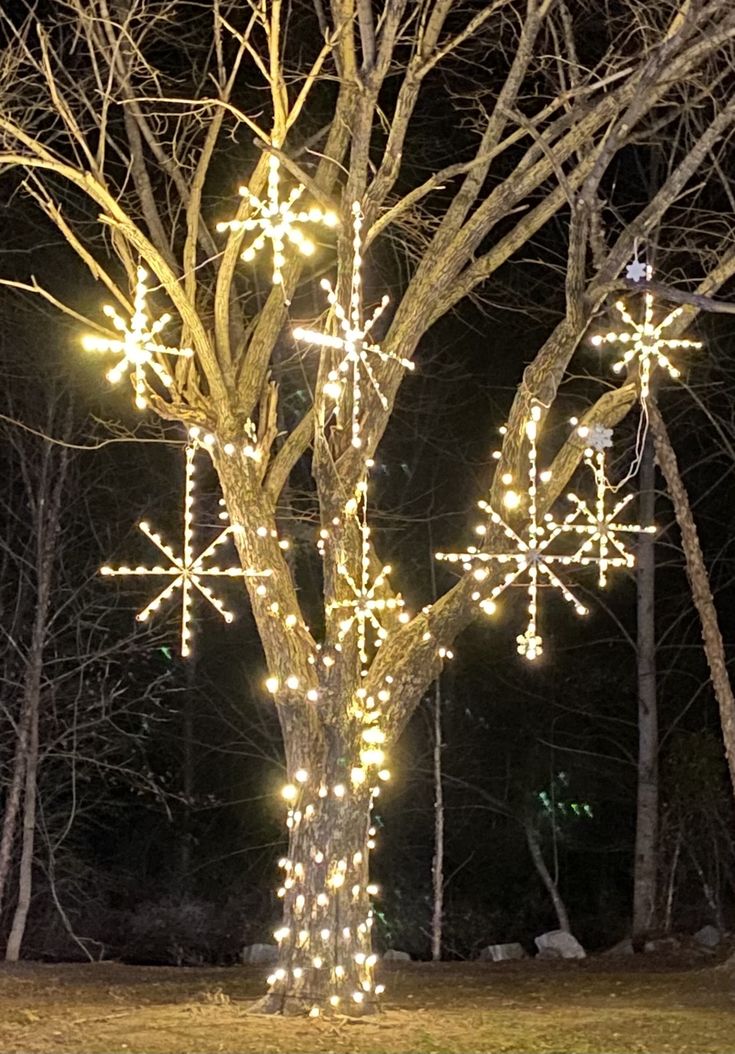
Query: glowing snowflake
[[187, 570], [530, 553], [353, 341], [600, 527], [277, 221], [138, 346], [364, 605], [645, 341]]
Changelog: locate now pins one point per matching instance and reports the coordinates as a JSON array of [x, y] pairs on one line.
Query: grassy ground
[[600, 1006]]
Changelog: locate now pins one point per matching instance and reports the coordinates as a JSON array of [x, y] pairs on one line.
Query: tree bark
[[14, 797], [437, 865], [537, 856], [714, 647], [186, 834], [25, 874], [646, 831], [326, 959]]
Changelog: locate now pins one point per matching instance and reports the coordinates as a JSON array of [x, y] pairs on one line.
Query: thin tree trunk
[[671, 887], [552, 887], [714, 648], [437, 866], [45, 499], [25, 876], [646, 831], [187, 778], [14, 797]]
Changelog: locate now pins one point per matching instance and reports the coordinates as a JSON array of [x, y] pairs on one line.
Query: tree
[[70, 710], [121, 117]]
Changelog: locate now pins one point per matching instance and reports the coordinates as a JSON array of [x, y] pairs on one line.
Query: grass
[[596, 1007]]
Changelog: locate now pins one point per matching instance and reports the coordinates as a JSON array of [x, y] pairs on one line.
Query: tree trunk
[[25, 875], [186, 833], [13, 799], [437, 865], [714, 648], [326, 959], [646, 830], [553, 889]]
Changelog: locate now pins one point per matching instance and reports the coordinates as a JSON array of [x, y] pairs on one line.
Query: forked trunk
[[326, 958]]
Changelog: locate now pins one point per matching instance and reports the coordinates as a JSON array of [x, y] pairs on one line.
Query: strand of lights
[[645, 341], [186, 571], [530, 555], [249, 449], [326, 961], [326, 941], [138, 344], [353, 341], [277, 222], [601, 525]]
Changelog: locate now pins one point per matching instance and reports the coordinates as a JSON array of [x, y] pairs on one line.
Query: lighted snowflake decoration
[[364, 606], [138, 345], [600, 527], [646, 341], [187, 571], [277, 222], [354, 340], [530, 554]]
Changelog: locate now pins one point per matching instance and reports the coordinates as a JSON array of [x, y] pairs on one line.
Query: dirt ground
[[600, 1006]]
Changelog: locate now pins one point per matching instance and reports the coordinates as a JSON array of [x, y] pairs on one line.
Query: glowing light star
[[365, 606], [353, 340], [645, 341], [530, 554], [138, 344], [601, 525], [277, 221], [187, 570]]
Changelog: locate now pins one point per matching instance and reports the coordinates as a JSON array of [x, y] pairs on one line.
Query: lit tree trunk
[[714, 647], [25, 871], [326, 956], [646, 831], [437, 866], [552, 887]]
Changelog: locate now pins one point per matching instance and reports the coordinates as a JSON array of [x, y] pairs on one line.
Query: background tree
[[120, 119]]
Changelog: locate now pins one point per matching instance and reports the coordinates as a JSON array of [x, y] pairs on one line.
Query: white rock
[[708, 936], [394, 956], [560, 945], [260, 953], [502, 952]]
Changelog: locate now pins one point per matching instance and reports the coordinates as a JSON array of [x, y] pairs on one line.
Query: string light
[[601, 525], [353, 341], [530, 555], [277, 221], [645, 341], [138, 344], [187, 571]]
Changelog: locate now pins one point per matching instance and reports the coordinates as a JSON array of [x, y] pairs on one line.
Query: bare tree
[[64, 700], [101, 127]]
